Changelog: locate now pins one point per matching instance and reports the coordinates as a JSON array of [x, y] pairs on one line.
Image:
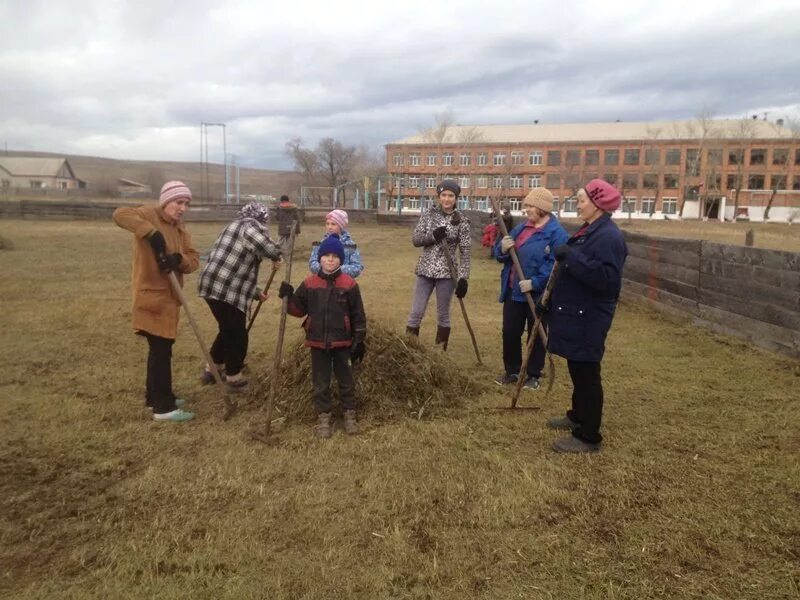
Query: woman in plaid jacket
[[228, 285]]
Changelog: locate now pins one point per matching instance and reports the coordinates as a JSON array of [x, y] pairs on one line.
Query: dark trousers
[[158, 390], [322, 363], [517, 317], [230, 345], [587, 400]]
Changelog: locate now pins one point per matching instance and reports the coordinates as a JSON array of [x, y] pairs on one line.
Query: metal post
[[366, 192], [225, 154]]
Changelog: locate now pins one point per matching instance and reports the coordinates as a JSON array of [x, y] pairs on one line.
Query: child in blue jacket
[[336, 224]]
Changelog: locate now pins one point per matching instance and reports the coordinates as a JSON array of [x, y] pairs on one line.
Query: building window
[[628, 204], [592, 157], [464, 159], [413, 181], [463, 203], [36, 184], [398, 160], [413, 159], [497, 182], [514, 203], [693, 161], [572, 181], [499, 159], [463, 181], [447, 160], [691, 192], [553, 158], [534, 180], [669, 206], [483, 159], [731, 182], [515, 183], [611, 157], [648, 206], [632, 157], [553, 181], [671, 181], [535, 158], [672, 157], [413, 203], [650, 181], [755, 182], [431, 160], [62, 185], [796, 182], [611, 178], [714, 182], [780, 156], [573, 157], [430, 182], [778, 182], [758, 156], [797, 157], [652, 156], [736, 157], [570, 204], [715, 157], [556, 204], [483, 182], [516, 158], [6, 183], [630, 181]]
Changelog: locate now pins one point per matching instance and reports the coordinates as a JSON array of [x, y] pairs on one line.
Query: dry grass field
[[695, 494]]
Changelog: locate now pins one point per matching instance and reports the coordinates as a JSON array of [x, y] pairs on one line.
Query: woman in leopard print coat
[[442, 224]]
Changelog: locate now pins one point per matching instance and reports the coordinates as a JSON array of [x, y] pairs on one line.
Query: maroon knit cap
[[604, 195]]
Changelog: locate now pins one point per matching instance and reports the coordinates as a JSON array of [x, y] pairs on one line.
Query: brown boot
[[412, 330], [350, 423], [442, 336], [323, 428]]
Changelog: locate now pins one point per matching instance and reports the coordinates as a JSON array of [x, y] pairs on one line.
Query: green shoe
[[177, 415]]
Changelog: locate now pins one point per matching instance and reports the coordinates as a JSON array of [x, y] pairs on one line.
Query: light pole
[[204, 143]]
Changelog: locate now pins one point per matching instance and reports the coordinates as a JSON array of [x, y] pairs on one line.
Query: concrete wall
[[747, 292]]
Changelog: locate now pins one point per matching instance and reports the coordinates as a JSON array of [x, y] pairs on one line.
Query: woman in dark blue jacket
[[581, 310], [535, 242]]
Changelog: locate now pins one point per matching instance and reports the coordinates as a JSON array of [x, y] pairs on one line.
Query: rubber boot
[[412, 330], [442, 336]]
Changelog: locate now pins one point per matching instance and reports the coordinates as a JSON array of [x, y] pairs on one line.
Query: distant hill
[[101, 175]]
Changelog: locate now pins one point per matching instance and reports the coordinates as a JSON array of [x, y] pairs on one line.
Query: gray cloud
[[134, 80]]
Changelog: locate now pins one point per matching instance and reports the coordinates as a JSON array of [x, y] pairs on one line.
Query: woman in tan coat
[[160, 244]]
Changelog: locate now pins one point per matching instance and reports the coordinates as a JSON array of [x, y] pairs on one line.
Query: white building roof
[[606, 132]]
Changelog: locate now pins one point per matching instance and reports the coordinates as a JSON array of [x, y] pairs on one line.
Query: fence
[[751, 293]]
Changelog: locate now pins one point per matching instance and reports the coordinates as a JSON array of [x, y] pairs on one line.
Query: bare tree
[[704, 130], [329, 164], [743, 134], [657, 164]]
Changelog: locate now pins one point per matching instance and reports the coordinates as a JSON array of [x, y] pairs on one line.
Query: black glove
[[440, 233], [158, 243], [170, 262], [541, 309], [561, 252], [357, 352], [461, 288], [286, 290]]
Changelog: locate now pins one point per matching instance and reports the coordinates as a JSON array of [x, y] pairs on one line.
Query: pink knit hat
[[172, 190], [604, 195], [339, 217]]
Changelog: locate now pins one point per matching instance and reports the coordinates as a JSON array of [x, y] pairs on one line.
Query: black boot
[[442, 336], [412, 330]]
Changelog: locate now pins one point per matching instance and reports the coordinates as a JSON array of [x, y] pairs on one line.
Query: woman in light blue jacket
[[336, 224]]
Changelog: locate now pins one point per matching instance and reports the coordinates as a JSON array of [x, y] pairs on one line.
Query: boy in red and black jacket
[[336, 328]]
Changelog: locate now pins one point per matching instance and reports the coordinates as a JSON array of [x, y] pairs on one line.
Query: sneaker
[[561, 423], [573, 445], [207, 378], [506, 379], [350, 423], [177, 415], [323, 428], [531, 384]]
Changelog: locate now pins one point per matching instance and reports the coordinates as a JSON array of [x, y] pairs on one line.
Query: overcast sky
[[134, 79]]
